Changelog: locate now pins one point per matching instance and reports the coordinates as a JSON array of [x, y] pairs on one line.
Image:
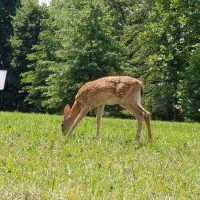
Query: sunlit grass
[[37, 162]]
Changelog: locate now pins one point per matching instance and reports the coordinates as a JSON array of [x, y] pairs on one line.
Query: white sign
[[3, 74]]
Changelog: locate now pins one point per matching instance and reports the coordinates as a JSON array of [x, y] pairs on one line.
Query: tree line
[[50, 51]]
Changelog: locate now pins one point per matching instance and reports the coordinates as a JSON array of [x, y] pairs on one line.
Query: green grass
[[37, 162]]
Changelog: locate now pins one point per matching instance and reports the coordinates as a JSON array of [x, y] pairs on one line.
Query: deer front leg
[[80, 116], [99, 115]]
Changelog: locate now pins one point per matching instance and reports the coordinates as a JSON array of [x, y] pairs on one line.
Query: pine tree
[[27, 26]]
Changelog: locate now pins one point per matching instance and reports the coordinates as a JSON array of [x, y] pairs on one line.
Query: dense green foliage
[[58, 48], [37, 162], [7, 10], [189, 87], [27, 26]]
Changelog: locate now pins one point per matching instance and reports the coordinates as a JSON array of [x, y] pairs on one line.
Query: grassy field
[[37, 162]]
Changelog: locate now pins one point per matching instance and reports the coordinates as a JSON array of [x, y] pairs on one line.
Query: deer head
[[66, 122]]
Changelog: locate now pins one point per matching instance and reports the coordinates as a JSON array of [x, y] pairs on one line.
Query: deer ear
[[67, 110]]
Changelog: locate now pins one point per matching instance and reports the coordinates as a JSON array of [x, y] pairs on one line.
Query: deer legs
[[83, 112], [137, 110], [79, 117], [147, 119], [140, 114]]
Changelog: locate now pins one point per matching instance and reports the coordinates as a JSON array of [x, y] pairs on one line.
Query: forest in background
[[50, 51]]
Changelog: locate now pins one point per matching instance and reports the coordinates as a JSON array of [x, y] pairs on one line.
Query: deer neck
[[74, 111]]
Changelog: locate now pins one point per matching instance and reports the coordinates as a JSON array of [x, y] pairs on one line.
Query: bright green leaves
[[77, 45], [161, 50]]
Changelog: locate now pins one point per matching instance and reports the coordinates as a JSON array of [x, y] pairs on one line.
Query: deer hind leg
[[99, 115], [138, 114], [80, 116], [147, 119]]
